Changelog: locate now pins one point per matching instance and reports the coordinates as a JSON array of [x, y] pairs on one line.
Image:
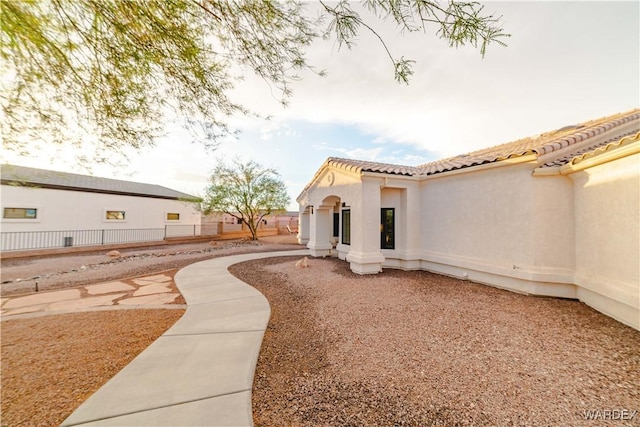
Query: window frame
[[105, 216], [167, 219], [387, 231], [20, 218], [345, 227]]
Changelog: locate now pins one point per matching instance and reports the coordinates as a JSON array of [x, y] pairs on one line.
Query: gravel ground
[[58, 272], [419, 349], [398, 348]]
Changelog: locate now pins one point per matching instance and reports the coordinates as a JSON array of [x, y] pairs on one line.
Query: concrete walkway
[[199, 372]]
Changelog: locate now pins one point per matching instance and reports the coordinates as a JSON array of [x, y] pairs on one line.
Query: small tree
[[247, 192]]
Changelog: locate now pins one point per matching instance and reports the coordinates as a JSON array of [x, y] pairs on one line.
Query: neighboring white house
[[37, 200], [282, 221], [557, 214]]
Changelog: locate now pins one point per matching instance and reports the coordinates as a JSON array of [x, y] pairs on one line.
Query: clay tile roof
[[595, 149], [365, 166], [545, 143], [539, 145]]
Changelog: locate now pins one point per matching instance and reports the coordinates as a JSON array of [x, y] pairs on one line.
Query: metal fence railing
[[191, 230], [25, 240]]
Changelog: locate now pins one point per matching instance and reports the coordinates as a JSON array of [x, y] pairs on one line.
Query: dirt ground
[[50, 365], [397, 348]]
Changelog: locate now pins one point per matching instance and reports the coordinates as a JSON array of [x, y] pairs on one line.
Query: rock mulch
[[419, 349], [59, 272]]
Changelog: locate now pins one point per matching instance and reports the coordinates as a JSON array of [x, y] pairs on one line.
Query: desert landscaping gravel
[[420, 349], [58, 272], [397, 348]]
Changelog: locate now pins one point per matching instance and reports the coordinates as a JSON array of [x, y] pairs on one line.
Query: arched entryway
[[324, 227]]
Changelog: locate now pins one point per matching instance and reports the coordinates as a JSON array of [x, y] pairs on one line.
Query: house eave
[[92, 190], [388, 176], [527, 158], [580, 164]]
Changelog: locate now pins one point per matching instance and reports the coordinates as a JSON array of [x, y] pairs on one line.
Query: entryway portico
[[334, 221]]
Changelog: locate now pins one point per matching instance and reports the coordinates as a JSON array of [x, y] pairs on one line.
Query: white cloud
[[547, 77]]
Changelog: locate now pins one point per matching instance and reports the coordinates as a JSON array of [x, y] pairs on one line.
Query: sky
[[566, 62]]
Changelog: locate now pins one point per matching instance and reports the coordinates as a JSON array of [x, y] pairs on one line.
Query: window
[[173, 217], [115, 215], [20, 213], [387, 234], [346, 227], [336, 224]]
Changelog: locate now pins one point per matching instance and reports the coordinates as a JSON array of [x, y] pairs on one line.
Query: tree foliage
[[246, 191], [120, 70]]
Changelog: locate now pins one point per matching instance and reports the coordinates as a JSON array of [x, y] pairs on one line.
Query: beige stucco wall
[[479, 216], [77, 210], [607, 237], [480, 222], [553, 227], [404, 196], [553, 247], [331, 182], [498, 225]]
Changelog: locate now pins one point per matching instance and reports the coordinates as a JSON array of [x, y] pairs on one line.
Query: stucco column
[[365, 256], [409, 223], [303, 227], [320, 231]]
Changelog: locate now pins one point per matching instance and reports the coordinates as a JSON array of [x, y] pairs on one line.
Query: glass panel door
[[387, 228]]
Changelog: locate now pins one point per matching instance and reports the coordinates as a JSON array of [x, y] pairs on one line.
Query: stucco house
[[37, 200], [273, 224], [556, 214]]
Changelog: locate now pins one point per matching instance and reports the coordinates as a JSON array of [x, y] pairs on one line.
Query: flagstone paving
[[104, 288], [157, 289]]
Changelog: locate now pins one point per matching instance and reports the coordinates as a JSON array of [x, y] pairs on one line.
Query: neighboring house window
[[346, 227], [336, 224], [20, 213], [173, 216], [115, 215], [387, 228]]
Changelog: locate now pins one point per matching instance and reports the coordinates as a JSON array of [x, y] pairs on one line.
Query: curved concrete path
[[199, 372]]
